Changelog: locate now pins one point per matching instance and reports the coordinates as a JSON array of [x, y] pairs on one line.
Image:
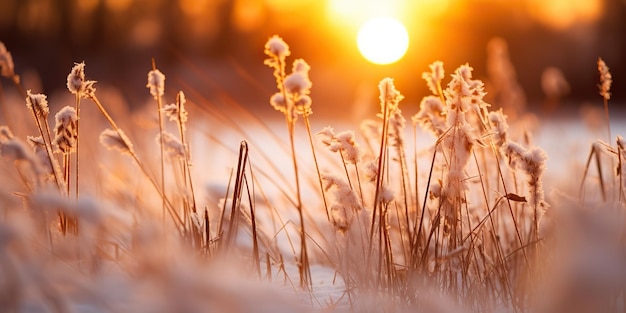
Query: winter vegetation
[[94, 218]]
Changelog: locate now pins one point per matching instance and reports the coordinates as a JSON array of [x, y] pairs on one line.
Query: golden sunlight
[[383, 40]]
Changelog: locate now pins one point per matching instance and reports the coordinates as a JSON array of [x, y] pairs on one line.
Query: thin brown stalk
[[220, 224], [237, 194], [4, 109], [606, 116], [307, 123], [345, 169], [303, 264], [599, 168], [379, 174], [498, 246], [48, 145], [358, 181], [256, 259], [175, 216], [207, 233], [161, 147], [515, 223], [76, 187]]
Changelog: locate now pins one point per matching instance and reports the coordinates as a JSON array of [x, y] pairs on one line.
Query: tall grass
[[463, 226]]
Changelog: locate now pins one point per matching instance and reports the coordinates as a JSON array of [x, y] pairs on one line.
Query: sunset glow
[[383, 40]]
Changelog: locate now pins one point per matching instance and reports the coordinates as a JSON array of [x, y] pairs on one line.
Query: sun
[[383, 40]]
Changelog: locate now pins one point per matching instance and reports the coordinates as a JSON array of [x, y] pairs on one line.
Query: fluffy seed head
[[276, 47], [117, 140], [605, 79], [431, 116], [6, 62], [339, 218], [327, 136], [303, 105], [39, 148], [16, 150], [397, 123], [172, 145], [346, 202], [497, 119], [533, 163], [386, 194], [349, 147], [464, 93], [65, 129], [278, 102], [300, 65], [298, 83], [5, 133], [434, 77], [156, 83], [76, 78], [176, 111], [389, 95], [37, 103], [370, 170]]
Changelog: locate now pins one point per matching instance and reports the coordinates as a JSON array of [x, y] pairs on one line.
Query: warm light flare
[[562, 14], [383, 40]]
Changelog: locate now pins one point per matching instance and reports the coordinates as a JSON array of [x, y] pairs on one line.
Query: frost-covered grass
[[169, 216]]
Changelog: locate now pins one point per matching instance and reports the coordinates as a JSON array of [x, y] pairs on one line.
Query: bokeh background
[[215, 47]]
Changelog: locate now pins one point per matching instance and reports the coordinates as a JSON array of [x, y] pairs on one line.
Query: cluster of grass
[[462, 225]]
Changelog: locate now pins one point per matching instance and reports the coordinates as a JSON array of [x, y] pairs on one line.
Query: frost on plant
[[176, 111], [38, 104], [431, 116], [156, 83], [6, 62], [65, 129], [172, 145], [77, 84], [532, 162], [500, 127], [76, 78], [605, 79], [346, 202], [343, 143], [5, 133], [277, 47], [434, 77], [39, 147], [292, 98], [116, 140], [389, 96], [16, 150]]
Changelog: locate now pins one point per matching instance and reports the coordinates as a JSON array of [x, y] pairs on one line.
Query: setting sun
[[383, 40]]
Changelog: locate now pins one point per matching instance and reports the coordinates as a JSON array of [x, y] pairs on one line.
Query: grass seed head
[[348, 146], [298, 83], [65, 129], [605, 79], [39, 148], [434, 77], [498, 122], [116, 140], [5, 133], [156, 83], [6, 62], [76, 78], [172, 145], [431, 116], [389, 95], [277, 47], [38, 104], [278, 102], [16, 150]]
